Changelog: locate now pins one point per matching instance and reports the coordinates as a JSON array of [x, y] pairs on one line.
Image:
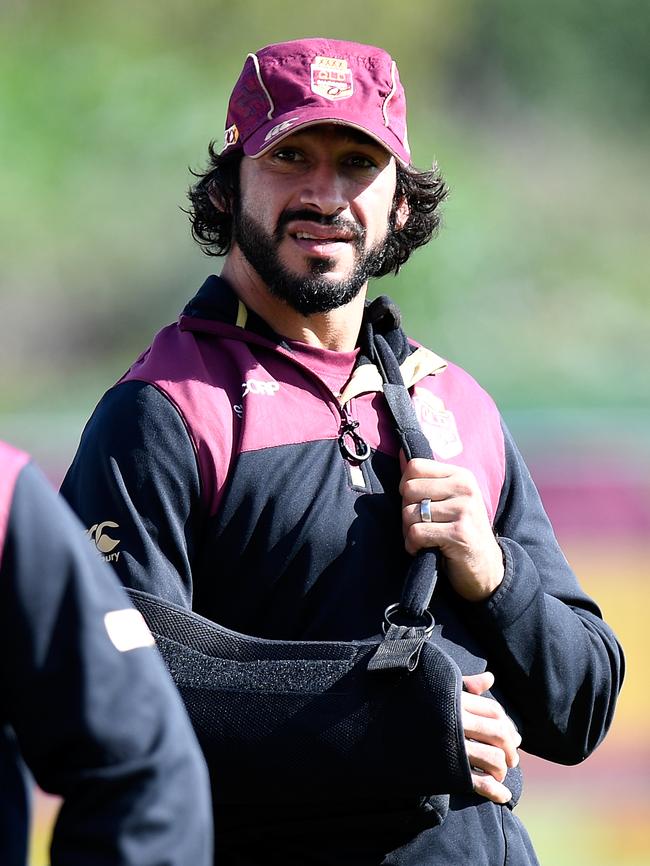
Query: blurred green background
[[539, 117]]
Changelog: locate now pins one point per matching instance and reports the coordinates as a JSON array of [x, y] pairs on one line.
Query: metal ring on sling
[[392, 609]]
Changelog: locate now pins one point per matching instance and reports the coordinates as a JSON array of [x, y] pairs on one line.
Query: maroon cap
[[288, 86]]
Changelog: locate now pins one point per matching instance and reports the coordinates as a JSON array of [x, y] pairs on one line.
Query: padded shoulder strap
[[421, 579]]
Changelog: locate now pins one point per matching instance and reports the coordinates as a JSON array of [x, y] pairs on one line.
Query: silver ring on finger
[[425, 511]]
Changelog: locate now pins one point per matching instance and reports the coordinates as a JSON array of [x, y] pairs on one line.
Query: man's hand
[[459, 525], [491, 738]]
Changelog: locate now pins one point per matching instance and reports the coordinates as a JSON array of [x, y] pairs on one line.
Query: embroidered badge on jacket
[[438, 424]]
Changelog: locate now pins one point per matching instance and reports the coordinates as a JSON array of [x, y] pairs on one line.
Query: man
[[86, 701], [252, 466]]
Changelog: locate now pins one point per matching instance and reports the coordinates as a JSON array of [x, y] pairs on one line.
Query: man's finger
[[476, 684], [442, 511], [489, 788], [493, 732], [419, 469], [488, 759]]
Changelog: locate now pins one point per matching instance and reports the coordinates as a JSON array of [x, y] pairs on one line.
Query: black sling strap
[[408, 623], [421, 579]]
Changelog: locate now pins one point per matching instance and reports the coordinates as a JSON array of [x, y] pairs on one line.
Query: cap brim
[[264, 138]]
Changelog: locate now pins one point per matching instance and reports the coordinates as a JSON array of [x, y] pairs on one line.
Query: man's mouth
[[325, 238], [321, 240]]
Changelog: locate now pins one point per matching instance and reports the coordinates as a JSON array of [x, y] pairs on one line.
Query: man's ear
[[218, 201], [402, 213]]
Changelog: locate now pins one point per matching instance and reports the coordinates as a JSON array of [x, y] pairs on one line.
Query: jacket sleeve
[[135, 481], [97, 718], [558, 666]]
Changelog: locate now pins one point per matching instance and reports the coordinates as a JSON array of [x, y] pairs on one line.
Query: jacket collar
[[217, 302]]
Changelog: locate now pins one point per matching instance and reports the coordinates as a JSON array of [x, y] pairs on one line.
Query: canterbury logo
[[104, 543], [280, 127]]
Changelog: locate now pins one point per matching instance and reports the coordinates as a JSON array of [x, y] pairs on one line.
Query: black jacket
[[218, 455]]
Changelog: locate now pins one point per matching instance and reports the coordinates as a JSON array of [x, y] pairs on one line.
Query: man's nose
[[325, 190]]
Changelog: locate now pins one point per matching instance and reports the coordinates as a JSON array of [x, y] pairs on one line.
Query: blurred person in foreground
[[86, 702], [250, 461]]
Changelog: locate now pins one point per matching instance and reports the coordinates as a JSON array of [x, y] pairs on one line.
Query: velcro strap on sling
[[400, 650]]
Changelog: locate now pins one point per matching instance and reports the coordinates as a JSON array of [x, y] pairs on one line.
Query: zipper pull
[[360, 449]]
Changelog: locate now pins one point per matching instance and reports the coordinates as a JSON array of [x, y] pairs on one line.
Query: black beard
[[312, 293]]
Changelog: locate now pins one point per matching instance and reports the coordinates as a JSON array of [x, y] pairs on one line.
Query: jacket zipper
[[354, 448]]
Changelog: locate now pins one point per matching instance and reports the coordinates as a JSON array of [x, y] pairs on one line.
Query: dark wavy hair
[[212, 225]]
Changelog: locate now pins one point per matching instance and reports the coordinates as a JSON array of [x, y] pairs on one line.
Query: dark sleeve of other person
[[96, 717]]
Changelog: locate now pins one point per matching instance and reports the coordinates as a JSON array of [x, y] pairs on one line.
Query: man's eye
[[359, 161], [287, 154]]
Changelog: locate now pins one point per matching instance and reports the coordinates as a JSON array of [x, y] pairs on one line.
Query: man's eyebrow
[[356, 136], [359, 137]]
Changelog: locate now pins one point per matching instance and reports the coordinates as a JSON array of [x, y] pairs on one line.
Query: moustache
[[331, 220]]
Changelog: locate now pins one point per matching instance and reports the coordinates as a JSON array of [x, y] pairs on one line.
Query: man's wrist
[[485, 581]]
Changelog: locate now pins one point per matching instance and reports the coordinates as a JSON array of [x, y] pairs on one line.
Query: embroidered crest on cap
[[438, 424], [331, 78], [230, 136]]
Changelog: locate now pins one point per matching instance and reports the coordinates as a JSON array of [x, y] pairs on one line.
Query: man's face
[[313, 215]]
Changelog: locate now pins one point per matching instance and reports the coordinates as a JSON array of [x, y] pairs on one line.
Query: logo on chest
[[438, 424], [266, 388], [104, 542]]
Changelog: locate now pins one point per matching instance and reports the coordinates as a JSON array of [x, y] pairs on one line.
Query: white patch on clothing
[[127, 629]]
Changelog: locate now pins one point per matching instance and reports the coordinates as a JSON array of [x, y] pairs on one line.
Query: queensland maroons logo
[[331, 78], [438, 424]]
